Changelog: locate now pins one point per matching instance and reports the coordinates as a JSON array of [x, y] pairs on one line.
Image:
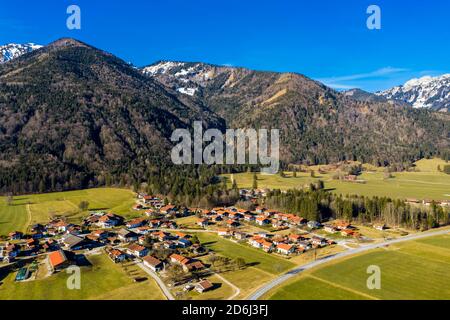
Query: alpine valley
[[72, 116]]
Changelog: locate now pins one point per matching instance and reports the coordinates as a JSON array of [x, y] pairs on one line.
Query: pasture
[[411, 270], [252, 256], [103, 280], [424, 183], [39, 208]]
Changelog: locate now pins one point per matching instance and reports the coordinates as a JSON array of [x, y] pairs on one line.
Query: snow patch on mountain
[[186, 77], [426, 92], [12, 51]]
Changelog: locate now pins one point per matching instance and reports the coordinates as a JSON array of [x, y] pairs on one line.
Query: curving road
[[161, 284], [283, 278]]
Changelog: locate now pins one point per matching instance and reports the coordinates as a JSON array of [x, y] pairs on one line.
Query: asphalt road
[[158, 280], [293, 272]]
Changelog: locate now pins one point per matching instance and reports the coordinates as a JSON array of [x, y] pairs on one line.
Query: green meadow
[[252, 256], [30, 209], [411, 270], [103, 280], [424, 183]]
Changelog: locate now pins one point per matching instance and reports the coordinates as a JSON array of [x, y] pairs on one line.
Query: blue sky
[[325, 40]]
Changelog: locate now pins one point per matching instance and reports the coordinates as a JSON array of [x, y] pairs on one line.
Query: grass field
[[262, 267], [248, 279], [252, 256], [222, 291], [12, 218], [104, 280], [411, 270], [427, 183], [26, 210]]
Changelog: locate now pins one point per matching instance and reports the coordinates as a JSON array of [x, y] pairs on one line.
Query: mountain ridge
[[74, 116], [426, 92]]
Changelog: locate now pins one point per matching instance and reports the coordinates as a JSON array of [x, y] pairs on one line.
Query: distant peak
[[67, 42], [12, 51]]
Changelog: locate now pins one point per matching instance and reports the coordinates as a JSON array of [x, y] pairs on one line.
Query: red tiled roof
[[57, 258], [180, 258], [136, 247], [205, 284], [284, 246], [152, 260]]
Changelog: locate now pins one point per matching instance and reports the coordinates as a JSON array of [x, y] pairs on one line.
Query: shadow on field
[[252, 264], [210, 243]]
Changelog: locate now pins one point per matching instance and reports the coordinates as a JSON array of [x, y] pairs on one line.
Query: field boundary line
[[342, 255], [342, 287]]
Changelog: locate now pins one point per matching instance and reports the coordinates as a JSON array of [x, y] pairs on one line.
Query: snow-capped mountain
[[13, 50], [185, 77], [426, 92]]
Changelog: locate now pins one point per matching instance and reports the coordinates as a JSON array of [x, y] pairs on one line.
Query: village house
[[203, 286], [58, 225], [294, 237], [137, 250], [260, 209], [256, 241], [152, 201], [330, 229], [136, 223], [183, 243], [16, 235], [267, 246], [305, 245], [240, 235], [143, 230], [194, 265], [153, 263], [58, 260], [151, 213], [262, 221], [116, 255], [73, 242], [125, 235], [37, 228], [101, 234], [236, 216], [203, 222], [285, 249], [347, 233], [186, 263], [318, 241], [224, 232], [380, 227], [169, 209], [50, 245], [313, 224], [109, 220], [197, 248], [161, 236], [74, 229], [155, 223], [342, 225], [182, 235], [169, 224], [249, 218], [233, 223], [178, 259]]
